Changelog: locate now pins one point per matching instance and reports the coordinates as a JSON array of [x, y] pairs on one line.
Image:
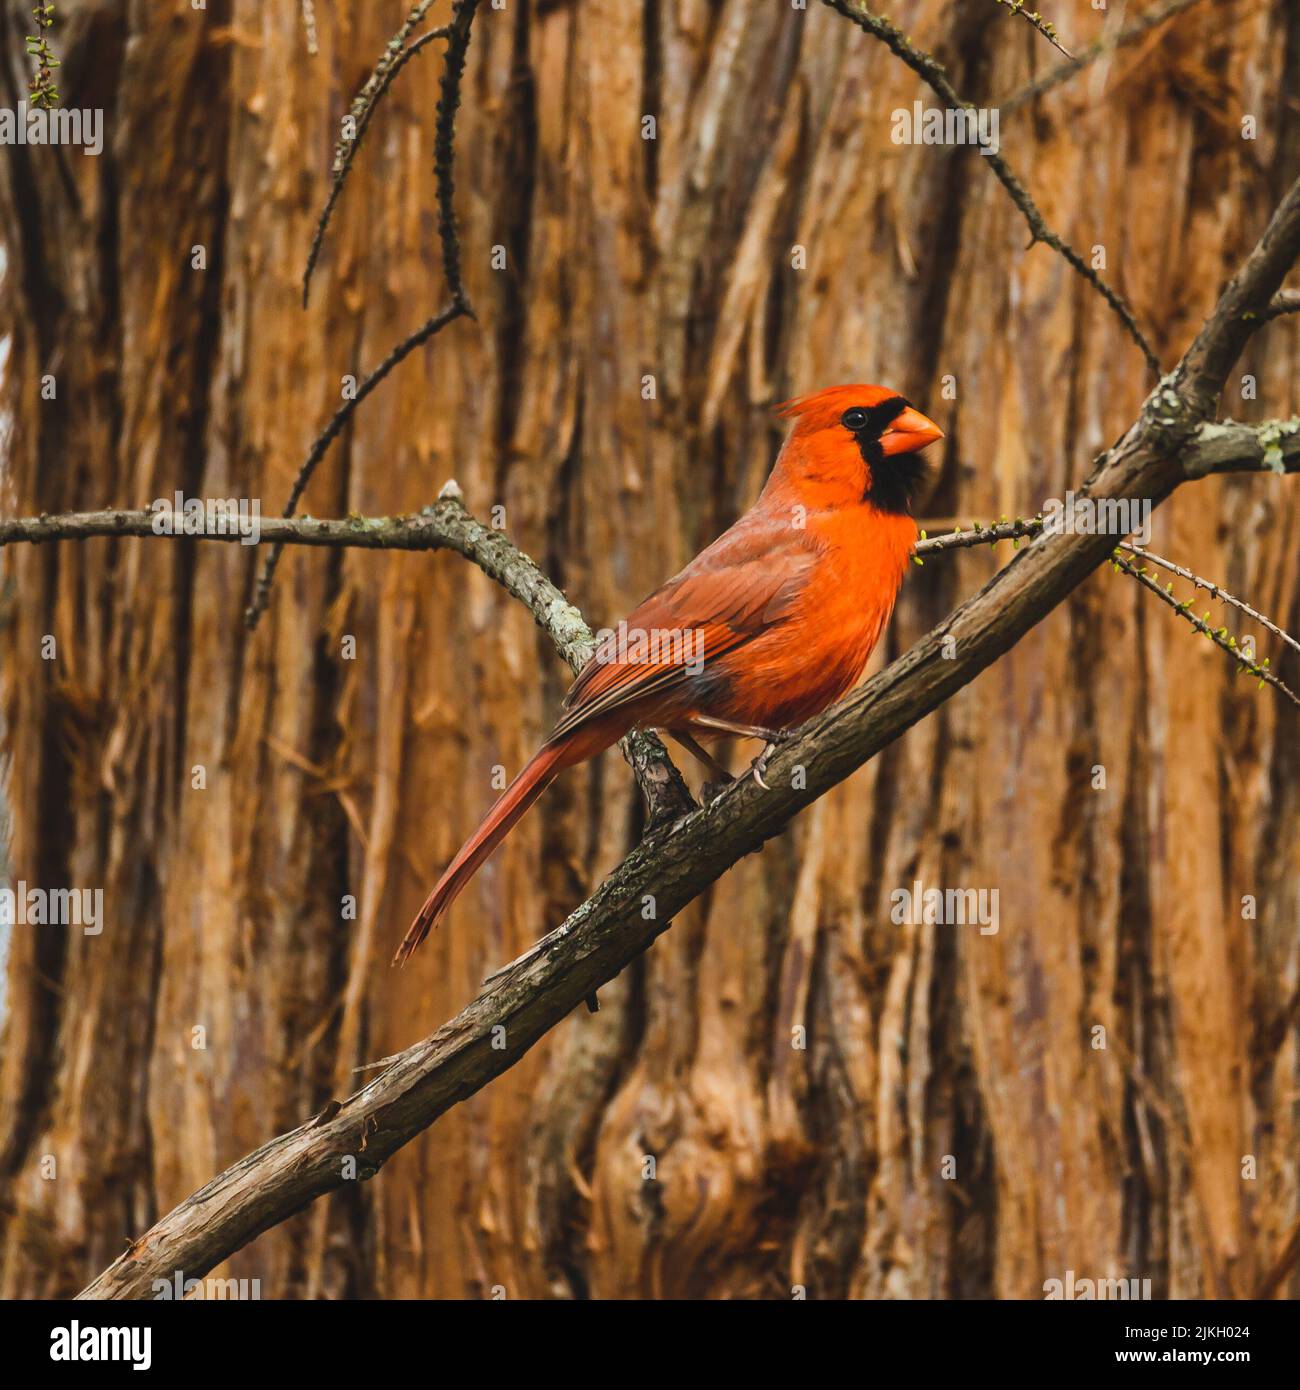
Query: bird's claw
[[760, 762]]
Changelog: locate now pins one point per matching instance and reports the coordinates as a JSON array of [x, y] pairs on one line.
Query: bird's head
[[858, 444]]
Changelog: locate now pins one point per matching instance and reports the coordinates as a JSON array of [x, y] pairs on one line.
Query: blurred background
[[956, 1126]]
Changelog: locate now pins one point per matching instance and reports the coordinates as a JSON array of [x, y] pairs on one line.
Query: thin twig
[[42, 93], [1048, 31], [1018, 529], [444, 132], [1104, 45], [976, 534], [262, 590], [933, 74], [1215, 591], [1219, 636], [458, 36], [363, 108]]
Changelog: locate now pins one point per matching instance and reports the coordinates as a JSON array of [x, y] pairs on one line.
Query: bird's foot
[[775, 738]]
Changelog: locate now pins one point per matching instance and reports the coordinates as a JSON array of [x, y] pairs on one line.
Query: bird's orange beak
[[909, 432]]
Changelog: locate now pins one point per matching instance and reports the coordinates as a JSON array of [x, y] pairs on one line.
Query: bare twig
[[977, 534], [1048, 31], [363, 108], [1108, 43], [444, 132], [444, 526], [1219, 636], [1019, 529], [262, 590], [1215, 591], [933, 74], [458, 34]]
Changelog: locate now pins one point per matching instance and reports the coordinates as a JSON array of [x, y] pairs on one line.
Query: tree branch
[[1272, 446], [457, 34], [1156, 15], [1215, 591], [927, 67], [1225, 447], [1200, 377], [395, 57], [1283, 302], [677, 862], [1047, 30], [1219, 636], [444, 526]]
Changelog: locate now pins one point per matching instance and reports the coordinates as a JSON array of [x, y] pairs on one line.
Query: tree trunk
[[791, 1089]]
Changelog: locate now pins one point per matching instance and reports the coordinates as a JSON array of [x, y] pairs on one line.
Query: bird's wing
[[747, 581]]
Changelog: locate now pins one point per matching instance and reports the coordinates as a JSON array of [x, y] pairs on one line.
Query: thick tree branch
[[1200, 377], [1272, 446], [676, 862]]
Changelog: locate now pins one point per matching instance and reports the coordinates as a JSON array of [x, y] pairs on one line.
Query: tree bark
[[1109, 776]]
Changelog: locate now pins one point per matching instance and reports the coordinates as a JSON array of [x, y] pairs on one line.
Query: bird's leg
[[721, 778], [772, 739], [703, 754]]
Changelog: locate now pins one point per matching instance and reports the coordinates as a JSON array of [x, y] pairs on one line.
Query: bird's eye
[[854, 419]]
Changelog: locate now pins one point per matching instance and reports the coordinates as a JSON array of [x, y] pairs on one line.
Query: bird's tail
[[537, 775]]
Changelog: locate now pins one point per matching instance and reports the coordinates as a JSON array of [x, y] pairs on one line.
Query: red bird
[[761, 631]]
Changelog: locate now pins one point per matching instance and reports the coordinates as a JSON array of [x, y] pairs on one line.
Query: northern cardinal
[[761, 631]]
